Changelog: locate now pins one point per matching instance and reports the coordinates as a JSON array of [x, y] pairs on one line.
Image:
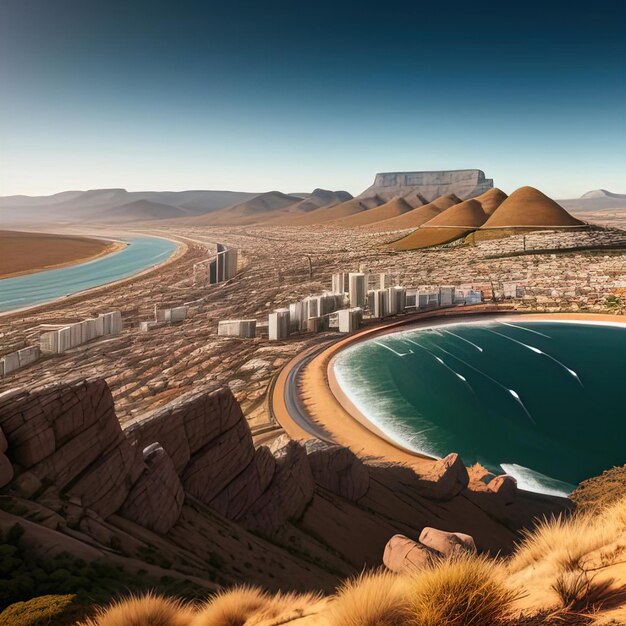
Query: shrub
[[148, 610], [235, 606], [372, 599], [45, 610], [467, 590]]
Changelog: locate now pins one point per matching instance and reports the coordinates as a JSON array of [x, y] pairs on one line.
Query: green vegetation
[[45, 610], [24, 577]]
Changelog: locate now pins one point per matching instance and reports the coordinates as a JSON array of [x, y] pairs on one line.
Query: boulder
[[505, 487], [405, 555], [446, 479], [447, 544], [6, 470], [156, 499], [26, 485], [337, 469], [289, 492]]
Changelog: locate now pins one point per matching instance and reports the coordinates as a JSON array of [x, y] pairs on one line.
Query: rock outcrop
[[337, 469], [186, 485], [430, 185], [156, 499], [6, 468], [447, 478], [290, 490], [403, 554], [445, 543]]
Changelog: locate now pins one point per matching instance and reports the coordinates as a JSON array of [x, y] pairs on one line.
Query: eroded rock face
[[156, 499], [405, 555], [6, 467], [445, 543], [6, 470], [337, 469], [447, 478], [463, 183], [219, 462], [290, 490], [69, 434], [246, 488], [505, 487]]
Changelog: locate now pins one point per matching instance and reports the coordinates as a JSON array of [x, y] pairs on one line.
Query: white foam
[[530, 480]]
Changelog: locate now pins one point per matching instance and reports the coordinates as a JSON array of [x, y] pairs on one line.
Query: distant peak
[[602, 193]]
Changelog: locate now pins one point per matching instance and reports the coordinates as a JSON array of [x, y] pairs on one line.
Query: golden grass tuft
[[250, 605], [148, 610], [467, 590], [372, 599]]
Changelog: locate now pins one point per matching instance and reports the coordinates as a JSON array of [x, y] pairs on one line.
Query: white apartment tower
[[357, 291]]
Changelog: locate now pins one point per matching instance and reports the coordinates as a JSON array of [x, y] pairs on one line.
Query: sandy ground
[[330, 408], [25, 253]]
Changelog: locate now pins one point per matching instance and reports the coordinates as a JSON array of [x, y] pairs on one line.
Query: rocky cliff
[[430, 185], [183, 490]]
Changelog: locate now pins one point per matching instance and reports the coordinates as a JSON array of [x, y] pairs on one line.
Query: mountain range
[[208, 207]]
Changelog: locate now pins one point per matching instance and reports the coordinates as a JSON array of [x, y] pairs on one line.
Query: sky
[[256, 96]]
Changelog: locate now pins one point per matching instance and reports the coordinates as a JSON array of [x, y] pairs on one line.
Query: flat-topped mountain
[[430, 185]]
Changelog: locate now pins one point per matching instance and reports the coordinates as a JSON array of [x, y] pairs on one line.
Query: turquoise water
[[542, 401], [141, 253]]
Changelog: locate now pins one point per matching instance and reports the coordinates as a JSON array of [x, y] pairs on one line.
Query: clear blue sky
[[289, 95]]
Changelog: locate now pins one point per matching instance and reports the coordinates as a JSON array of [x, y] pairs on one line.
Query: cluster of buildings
[[172, 315], [221, 267], [353, 297], [62, 338]]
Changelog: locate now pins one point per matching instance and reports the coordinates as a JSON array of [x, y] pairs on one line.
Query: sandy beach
[[26, 253], [330, 408]]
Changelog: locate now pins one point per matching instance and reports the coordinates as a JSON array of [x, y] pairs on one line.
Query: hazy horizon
[[251, 97]]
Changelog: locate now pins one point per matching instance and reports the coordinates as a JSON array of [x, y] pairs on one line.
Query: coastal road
[[285, 395], [285, 403]]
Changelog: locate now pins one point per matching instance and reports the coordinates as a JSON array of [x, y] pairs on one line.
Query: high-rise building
[[446, 296], [341, 282], [357, 291], [237, 328], [377, 302], [279, 325], [350, 319], [396, 300]]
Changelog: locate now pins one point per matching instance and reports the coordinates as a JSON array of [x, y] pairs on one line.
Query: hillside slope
[[417, 216], [394, 208], [528, 207], [181, 494]]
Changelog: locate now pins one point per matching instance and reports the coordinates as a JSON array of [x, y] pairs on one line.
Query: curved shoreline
[[112, 246], [328, 407], [181, 249]]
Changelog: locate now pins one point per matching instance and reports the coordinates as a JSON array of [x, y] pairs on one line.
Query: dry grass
[[149, 610], [468, 590], [567, 571], [249, 605], [372, 599]]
